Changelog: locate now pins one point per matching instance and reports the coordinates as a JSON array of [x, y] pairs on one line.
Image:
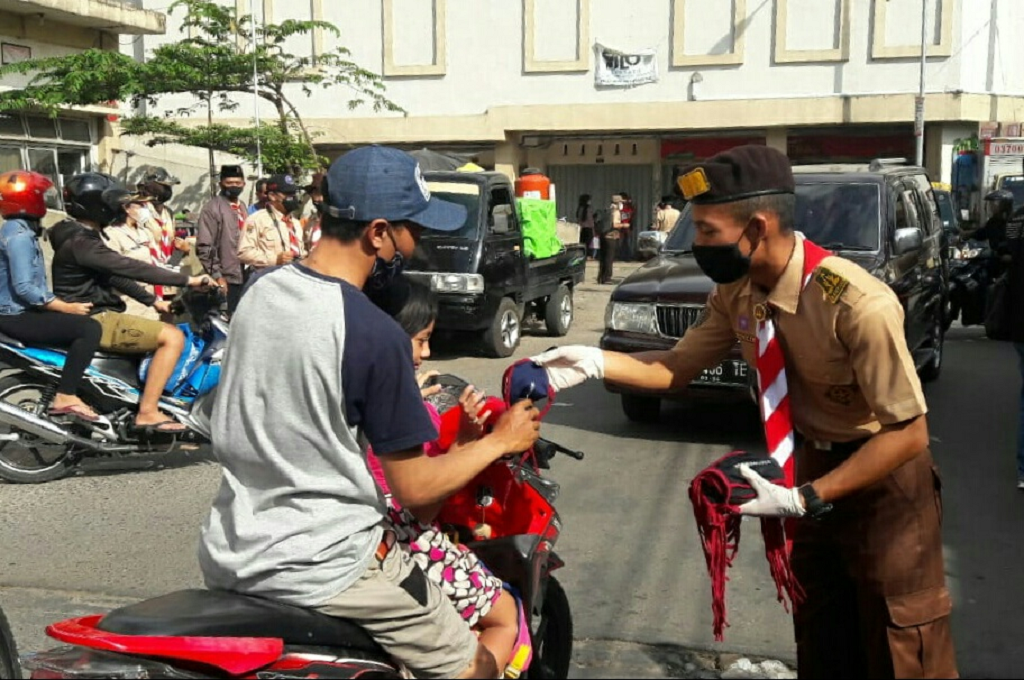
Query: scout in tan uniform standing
[[867, 547], [274, 236]]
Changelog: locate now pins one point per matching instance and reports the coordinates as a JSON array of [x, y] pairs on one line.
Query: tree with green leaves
[[216, 65]]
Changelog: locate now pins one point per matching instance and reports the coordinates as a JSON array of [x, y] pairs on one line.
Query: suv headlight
[[457, 283], [631, 317]]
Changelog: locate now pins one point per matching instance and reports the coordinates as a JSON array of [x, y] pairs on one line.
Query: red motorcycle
[[204, 634]]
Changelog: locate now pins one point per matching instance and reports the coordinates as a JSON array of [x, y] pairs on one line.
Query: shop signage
[[625, 69]]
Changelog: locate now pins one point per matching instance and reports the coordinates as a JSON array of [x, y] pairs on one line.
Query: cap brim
[[441, 216]]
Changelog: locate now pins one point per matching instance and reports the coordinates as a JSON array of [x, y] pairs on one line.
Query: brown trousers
[[872, 569]]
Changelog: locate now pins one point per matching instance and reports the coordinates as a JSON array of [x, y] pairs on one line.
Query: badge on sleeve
[[831, 283]]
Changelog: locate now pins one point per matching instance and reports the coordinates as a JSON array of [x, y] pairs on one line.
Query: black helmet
[[94, 196]]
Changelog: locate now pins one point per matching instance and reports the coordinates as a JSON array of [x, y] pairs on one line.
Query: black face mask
[[231, 193], [291, 204], [723, 264], [384, 272]]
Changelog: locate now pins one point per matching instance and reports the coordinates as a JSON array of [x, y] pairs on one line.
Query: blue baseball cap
[[383, 183]]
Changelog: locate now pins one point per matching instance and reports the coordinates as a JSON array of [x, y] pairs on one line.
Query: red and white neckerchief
[[166, 240], [293, 237], [771, 374], [155, 257], [241, 213]]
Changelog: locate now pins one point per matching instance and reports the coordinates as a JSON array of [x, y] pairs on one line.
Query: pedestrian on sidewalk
[[844, 417], [609, 228], [585, 218]]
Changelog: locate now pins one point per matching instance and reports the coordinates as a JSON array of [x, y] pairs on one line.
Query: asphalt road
[[634, 570]]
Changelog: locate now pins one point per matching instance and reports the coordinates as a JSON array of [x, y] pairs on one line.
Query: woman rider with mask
[[29, 311]]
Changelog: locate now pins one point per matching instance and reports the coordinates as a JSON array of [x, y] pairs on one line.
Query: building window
[[56, 147]]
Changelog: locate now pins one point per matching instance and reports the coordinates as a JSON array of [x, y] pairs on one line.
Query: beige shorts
[[408, 616], [127, 334]]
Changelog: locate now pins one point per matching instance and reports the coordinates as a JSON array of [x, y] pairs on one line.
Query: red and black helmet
[[23, 194]]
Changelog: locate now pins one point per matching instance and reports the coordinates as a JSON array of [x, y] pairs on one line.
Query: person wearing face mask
[[311, 211], [844, 416], [298, 518], [159, 186], [129, 237], [221, 222], [274, 236], [29, 310]]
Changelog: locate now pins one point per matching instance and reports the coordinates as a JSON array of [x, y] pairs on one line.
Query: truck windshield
[[835, 216], [464, 194]]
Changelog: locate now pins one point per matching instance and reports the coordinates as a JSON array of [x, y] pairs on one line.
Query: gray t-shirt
[[313, 372]]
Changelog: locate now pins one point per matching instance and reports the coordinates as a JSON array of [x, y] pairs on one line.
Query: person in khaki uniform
[[128, 237], [867, 547], [159, 185], [273, 236]]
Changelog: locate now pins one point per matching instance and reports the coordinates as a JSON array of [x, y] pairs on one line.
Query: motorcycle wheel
[[30, 460], [9, 664], [552, 642]]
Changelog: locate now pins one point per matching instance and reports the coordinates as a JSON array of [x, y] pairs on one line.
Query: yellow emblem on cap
[[694, 183], [833, 284]]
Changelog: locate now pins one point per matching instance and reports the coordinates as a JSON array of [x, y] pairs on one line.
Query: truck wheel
[[558, 313], [502, 338], [641, 409]]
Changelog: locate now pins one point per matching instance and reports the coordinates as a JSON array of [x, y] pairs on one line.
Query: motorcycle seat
[[8, 340], [217, 613]]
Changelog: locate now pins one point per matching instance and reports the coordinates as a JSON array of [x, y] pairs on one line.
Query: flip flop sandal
[[522, 651], [75, 412], [161, 428]]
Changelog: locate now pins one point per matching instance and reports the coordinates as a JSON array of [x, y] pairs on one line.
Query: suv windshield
[[464, 194], [837, 216]]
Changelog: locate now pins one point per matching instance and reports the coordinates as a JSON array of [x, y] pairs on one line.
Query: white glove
[[572, 365], [772, 500]]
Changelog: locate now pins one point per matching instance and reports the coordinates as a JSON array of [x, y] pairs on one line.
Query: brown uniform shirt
[[848, 367], [266, 235]]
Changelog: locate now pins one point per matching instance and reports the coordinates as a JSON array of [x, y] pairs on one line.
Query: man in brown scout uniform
[[867, 547]]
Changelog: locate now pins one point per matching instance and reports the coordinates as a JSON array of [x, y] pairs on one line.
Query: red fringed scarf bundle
[[716, 494]]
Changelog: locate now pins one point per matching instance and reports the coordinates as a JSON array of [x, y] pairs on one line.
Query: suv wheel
[[930, 371]]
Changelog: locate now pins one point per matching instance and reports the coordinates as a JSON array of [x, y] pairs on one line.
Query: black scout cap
[[231, 171], [741, 172]]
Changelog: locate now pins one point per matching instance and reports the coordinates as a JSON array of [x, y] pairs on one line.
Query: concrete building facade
[[80, 139], [531, 83]]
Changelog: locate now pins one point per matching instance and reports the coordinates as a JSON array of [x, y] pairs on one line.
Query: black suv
[[883, 216]]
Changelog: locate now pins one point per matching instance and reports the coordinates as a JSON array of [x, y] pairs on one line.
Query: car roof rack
[[880, 163]]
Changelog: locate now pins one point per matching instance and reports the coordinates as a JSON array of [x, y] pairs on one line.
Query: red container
[[532, 184]]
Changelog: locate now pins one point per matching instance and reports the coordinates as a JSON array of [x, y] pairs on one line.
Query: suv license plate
[[729, 372]]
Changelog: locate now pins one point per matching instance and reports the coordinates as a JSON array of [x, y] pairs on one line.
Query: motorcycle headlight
[[631, 317]]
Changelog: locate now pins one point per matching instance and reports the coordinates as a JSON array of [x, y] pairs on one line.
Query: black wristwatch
[[812, 502]]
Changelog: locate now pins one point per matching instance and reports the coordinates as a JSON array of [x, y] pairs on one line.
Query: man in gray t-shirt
[[314, 372]]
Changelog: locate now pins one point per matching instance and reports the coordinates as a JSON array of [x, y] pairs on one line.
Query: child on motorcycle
[[476, 593]]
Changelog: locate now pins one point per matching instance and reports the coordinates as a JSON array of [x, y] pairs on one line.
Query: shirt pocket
[[830, 372]]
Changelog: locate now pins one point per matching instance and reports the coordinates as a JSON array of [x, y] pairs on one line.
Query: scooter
[[36, 448], [9, 667], [204, 634]]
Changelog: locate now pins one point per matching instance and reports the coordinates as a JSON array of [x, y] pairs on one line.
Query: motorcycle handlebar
[[547, 450]]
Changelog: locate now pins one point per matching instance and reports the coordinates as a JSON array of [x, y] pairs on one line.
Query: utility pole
[[255, 90], [919, 102]]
